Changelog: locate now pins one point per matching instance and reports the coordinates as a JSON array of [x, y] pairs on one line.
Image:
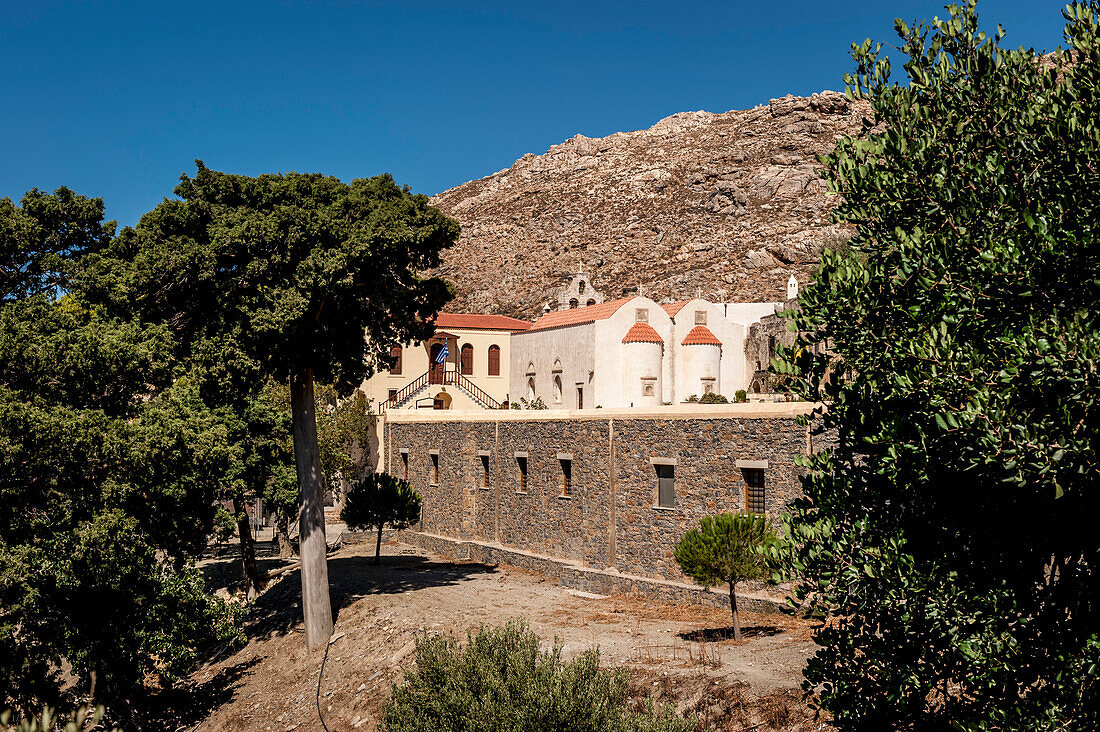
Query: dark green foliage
[[42, 237], [951, 531], [378, 500], [500, 680], [727, 548], [343, 431], [108, 472], [280, 276], [49, 721], [536, 403], [263, 276], [224, 525], [707, 399], [740, 396]]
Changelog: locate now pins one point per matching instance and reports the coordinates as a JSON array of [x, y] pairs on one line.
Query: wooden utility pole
[[316, 605]]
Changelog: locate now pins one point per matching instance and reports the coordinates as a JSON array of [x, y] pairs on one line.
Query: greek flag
[[442, 355]]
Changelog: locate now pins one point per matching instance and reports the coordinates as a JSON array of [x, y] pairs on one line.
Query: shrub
[[740, 396], [713, 399], [726, 548], [81, 719], [224, 525], [536, 403], [501, 680]]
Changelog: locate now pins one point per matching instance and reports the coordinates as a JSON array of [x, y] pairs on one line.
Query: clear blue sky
[[115, 99]]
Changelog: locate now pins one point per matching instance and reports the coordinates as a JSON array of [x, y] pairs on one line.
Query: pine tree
[[726, 548]]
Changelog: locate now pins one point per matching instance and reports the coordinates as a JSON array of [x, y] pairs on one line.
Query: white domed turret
[[644, 351], [702, 361]]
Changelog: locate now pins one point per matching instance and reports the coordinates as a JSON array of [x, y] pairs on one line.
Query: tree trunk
[[282, 534], [733, 609], [378, 547], [252, 582], [316, 605]]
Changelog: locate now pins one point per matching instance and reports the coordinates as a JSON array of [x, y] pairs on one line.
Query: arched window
[[580, 287], [466, 363], [573, 303], [494, 360], [531, 389], [395, 354], [557, 390], [590, 302]]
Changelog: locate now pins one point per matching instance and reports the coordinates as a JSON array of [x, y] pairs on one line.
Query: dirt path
[[672, 650]]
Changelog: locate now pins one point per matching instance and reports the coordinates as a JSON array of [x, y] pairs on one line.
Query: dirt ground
[[678, 654]]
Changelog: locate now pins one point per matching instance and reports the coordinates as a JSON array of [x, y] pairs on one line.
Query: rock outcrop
[[725, 206]]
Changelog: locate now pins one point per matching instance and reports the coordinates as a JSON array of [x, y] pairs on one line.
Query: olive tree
[[293, 276], [949, 532]]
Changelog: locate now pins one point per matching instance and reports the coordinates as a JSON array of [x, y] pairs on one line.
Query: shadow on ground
[[278, 610], [710, 635], [189, 704], [227, 572]]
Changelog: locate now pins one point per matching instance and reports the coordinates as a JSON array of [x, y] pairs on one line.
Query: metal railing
[[476, 392], [449, 377], [407, 391]]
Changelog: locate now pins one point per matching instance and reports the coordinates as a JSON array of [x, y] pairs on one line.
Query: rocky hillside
[[725, 206]]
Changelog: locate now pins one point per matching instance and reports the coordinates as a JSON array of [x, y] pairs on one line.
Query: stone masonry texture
[[609, 518]]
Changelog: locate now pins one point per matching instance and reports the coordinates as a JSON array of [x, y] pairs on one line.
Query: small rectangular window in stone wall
[[484, 459], [404, 465], [666, 486], [435, 469], [754, 489], [566, 476], [521, 474]]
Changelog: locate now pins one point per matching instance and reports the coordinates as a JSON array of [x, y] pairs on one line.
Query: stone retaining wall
[[609, 519], [587, 579]]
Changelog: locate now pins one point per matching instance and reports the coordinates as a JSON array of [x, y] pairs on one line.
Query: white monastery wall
[[565, 354]]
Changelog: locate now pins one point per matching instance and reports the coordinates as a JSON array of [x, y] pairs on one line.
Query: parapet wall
[[610, 517]]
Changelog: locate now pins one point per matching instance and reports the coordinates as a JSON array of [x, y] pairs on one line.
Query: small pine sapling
[[378, 500], [726, 548]]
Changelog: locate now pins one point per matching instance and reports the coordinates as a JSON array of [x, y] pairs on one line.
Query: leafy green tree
[[108, 471], [726, 548], [344, 427], [378, 500], [282, 276], [950, 532], [42, 237]]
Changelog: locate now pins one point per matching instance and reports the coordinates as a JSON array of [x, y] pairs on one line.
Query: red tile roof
[[474, 321], [576, 316], [674, 307], [700, 335], [642, 333]]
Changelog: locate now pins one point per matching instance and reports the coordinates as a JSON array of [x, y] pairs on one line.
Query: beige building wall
[[415, 362]]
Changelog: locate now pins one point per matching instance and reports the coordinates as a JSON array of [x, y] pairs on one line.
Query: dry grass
[[727, 706]]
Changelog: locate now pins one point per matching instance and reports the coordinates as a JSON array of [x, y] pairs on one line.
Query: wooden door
[[435, 370]]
